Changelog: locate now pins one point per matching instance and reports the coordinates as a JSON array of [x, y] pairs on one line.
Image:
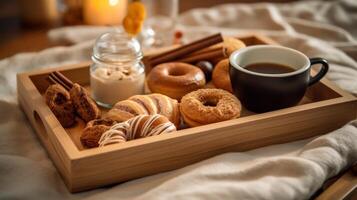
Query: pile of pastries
[[182, 94]]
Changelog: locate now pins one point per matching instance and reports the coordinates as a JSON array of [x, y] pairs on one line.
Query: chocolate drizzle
[[137, 127]]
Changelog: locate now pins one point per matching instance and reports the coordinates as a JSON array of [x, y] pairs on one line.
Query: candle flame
[[113, 2]]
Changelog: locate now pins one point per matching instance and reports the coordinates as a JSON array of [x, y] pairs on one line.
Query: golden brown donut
[[220, 76], [175, 79], [230, 44], [205, 106]]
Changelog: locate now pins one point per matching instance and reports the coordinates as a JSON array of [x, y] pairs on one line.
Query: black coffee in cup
[[269, 68], [269, 77]]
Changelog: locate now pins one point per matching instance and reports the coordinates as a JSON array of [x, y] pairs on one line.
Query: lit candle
[[104, 12]]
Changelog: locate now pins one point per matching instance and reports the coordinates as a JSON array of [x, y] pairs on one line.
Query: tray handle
[[40, 126]]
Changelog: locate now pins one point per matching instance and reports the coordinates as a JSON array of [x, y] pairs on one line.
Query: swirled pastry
[[146, 105]]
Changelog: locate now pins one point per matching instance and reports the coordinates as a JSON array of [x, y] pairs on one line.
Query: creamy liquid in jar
[[110, 86]]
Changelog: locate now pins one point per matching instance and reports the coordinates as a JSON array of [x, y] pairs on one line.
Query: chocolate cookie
[[58, 100]]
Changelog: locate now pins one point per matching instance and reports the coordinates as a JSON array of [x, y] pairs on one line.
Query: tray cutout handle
[[40, 125]]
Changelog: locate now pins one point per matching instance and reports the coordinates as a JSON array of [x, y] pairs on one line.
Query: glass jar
[[117, 72], [159, 26]]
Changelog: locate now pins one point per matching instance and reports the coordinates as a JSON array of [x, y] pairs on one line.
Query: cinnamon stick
[[207, 55], [209, 49], [57, 77], [63, 78], [185, 49]]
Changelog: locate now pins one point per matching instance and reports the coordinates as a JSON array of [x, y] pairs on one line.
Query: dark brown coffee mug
[[262, 92]]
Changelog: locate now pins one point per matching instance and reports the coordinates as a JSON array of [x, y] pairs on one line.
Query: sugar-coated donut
[[205, 106], [175, 79], [220, 76]]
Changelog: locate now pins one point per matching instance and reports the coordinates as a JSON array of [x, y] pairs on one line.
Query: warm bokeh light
[[101, 12], [113, 2]]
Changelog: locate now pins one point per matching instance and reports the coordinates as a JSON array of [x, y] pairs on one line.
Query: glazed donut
[[175, 79], [220, 76], [205, 106]]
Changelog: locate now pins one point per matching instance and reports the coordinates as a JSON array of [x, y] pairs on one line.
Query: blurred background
[[24, 23]]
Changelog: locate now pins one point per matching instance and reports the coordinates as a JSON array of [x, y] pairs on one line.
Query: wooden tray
[[324, 108]]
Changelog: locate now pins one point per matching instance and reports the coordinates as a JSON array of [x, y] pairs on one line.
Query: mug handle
[[321, 73]]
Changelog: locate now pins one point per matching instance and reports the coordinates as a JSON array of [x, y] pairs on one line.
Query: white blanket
[[288, 171]]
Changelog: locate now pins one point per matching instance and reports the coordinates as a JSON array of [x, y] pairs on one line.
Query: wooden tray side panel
[[250, 39], [31, 102], [80, 73], [118, 166]]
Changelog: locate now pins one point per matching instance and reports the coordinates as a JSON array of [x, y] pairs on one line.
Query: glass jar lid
[[117, 47]]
